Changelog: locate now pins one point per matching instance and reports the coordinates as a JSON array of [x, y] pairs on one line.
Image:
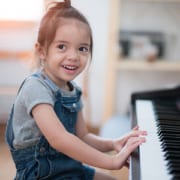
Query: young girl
[[46, 132]]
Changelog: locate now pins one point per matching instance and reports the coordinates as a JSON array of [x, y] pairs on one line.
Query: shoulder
[[34, 88], [33, 92], [34, 85]]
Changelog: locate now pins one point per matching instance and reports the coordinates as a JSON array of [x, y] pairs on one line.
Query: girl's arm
[[97, 142], [67, 143], [104, 144]]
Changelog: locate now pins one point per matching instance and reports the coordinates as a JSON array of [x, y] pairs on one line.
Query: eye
[[84, 49], [61, 46]]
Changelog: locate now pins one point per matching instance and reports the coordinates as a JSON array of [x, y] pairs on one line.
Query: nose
[[73, 55]]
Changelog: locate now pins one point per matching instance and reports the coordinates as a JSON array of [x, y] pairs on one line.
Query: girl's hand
[[119, 143], [131, 144]]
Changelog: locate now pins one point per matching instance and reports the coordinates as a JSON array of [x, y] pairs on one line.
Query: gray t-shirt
[[34, 91]]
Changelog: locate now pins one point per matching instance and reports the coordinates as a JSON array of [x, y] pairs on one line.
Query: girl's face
[[69, 52]]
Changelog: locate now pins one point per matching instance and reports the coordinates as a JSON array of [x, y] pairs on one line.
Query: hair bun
[[55, 4]]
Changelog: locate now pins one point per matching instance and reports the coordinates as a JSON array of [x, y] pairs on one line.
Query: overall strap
[[47, 81]]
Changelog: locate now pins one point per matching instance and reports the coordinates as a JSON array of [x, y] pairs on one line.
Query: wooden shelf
[[159, 65], [20, 55], [116, 64], [17, 24]]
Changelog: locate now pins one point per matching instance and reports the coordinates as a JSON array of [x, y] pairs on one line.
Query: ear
[[40, 51]]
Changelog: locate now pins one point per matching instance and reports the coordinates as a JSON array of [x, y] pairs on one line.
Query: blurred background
[[136, 48]]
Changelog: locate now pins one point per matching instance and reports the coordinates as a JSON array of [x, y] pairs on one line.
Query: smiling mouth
[[67, 67]]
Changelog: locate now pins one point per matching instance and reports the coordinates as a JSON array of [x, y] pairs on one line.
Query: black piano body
[[171, 97]]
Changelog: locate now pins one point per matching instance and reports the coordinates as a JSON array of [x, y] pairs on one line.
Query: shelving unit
[[116, 64], [141, 65]]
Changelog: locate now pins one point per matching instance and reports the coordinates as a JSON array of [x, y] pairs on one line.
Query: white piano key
[[152, 162]]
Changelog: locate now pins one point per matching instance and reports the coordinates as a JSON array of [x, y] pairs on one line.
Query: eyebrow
[[62, 41], [85, 44]]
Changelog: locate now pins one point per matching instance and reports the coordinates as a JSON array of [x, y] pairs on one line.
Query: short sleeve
[[35, 92]]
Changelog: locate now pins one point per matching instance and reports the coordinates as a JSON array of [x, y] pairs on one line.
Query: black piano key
[[171, 141], [173, 166], [176, 176], [164, 133], [168, 116], [168, 123], [164, 129], [170, 137], [172, 154], [168, 128], [169, 148]]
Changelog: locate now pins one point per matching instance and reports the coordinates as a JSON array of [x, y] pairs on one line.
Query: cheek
[[52, 59], [49, 63], [84, 63], [87, 61]]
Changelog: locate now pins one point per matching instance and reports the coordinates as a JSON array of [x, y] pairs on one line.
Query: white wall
[[132, 81], [97, 11], [14, 71], [149, 16]]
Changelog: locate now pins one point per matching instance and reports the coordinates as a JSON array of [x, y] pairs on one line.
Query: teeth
[[69, 67]]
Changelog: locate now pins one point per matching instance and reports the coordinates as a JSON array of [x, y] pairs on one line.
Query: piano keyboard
[[152, 161], [158, 112], [168, 122]]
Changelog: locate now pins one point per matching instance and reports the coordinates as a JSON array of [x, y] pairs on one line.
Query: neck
[[64, 85]]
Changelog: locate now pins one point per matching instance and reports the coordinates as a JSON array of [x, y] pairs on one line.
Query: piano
[[157, 112]]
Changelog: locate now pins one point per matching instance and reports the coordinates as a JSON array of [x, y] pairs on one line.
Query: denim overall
[[41, 161]]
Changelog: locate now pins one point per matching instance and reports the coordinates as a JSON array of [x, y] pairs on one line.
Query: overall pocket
[[28, 172]]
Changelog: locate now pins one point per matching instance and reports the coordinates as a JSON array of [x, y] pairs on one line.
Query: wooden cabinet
[[116, 64]]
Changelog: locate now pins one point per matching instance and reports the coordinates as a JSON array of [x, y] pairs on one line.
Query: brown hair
[[50, 22]]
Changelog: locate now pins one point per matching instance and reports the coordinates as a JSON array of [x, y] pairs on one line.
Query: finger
[[135, 141], [137, 133], [141, 132], [136, 127]]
